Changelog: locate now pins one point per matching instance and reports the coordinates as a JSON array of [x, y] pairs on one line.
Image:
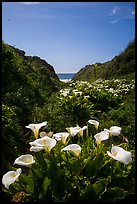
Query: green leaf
[[38, 173], [59, 185], [31, 183], [98, 187], [113, 194], [45, 184], [76, 166], [17, 186], [88, 195], [93, 191], [40, 158], [94, 165], [23, 178]]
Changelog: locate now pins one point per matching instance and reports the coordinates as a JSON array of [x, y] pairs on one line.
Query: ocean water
[[65, 76]]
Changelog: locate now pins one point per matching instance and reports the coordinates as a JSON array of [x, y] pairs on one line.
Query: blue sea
[[65, 76]]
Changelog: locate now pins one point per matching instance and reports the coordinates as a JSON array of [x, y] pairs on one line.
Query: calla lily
[[35, 128], [43, 133], [10, 177], [25, 160], [103, 135], [46, 142], [74, 130], [82, 129], [64, 92], [94, 122], [61, 136], [114, 130], [121, 155], [75, 91], [36, 149], [75, 148]]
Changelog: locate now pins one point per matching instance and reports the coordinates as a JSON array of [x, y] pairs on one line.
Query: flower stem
[[67, 157]]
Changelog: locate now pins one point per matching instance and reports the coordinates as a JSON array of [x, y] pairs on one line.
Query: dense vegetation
[[120, 66], [32, 93], [27, 83]]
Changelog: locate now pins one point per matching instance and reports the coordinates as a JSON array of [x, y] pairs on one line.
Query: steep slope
[[26, 81], [120, 66], [27, 84]]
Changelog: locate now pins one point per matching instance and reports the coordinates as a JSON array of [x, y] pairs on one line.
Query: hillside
[[25, 78], [120, 66], [87, 171], [27, 84]]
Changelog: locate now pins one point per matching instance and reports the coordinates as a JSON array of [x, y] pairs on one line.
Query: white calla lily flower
[[36, 149], [75, 130], [76, 92], [103, 135], [35, 128], [45, 142], [82, 129], [25, 160], [114, 130], [94, 122], [121, 155], [42, 134], [10, 177], [61, 136], [75, 148]]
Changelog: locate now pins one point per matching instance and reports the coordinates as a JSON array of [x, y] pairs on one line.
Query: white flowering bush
[[105, 100], [74, 167], [82, 100], [86, 150]]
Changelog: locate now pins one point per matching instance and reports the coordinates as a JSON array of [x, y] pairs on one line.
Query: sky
[[69, 35]]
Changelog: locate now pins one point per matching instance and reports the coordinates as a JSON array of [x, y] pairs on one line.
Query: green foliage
[[27, 82], [92, 167], [77, 108], [11, 136], [63, 177], [32, 93]]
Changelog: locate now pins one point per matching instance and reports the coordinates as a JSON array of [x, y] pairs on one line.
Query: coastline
[[65, 80], [65, 77]]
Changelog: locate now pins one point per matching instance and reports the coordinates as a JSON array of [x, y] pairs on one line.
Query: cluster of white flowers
[[47, 142], [64, 92], [114, 86]]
